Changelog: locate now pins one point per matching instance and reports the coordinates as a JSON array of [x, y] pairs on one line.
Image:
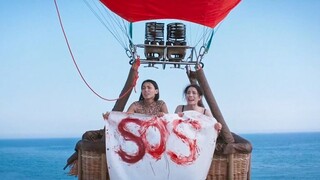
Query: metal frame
[[163, 60]]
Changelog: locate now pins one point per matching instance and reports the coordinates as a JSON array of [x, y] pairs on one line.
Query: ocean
[[274, 156]]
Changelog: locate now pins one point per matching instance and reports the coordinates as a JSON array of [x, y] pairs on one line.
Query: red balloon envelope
[[205, 12]]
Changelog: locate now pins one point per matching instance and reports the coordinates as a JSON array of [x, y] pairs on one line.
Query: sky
[[263, 68]]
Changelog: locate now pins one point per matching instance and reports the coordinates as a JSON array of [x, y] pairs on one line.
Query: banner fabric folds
[[139, 146]]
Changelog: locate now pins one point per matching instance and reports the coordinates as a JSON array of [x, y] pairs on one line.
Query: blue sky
[[263, 68]]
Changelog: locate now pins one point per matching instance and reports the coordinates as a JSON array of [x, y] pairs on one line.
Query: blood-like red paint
[[128, 136], [155, 150], [192, 143]]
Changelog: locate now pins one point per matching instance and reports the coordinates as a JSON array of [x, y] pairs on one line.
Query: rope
[[210, 41], [78, 69]]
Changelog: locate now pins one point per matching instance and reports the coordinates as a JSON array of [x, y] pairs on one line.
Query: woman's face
[[192, 96], [148, 90]]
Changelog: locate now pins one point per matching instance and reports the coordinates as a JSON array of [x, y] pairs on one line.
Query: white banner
[[170, 147]]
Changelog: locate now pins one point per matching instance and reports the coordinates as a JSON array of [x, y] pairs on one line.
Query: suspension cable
[[78, 69]]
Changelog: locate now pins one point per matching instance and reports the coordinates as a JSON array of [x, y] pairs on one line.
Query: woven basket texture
[[93, 166]]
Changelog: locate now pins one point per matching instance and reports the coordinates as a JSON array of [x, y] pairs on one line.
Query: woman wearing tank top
[[193, 95], [149, 102]]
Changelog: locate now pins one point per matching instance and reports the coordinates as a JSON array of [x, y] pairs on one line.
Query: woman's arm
[[208, 113], [132, 108], [217, 126], [164, 108], [178, 109]]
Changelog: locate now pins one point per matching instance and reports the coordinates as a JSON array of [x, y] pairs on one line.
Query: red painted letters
[[157, 149]]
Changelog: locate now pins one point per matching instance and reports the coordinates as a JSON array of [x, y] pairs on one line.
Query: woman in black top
[[193, 95]]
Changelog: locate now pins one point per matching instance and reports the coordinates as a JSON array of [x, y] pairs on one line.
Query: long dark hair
[[157, 96], [199, 90]]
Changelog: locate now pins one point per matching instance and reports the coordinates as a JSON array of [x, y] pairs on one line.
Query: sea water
[[35, 159], [274, 156], [285, 156]]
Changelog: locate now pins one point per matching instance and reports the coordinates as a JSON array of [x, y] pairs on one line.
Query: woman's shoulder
[[207, 112], [137, 104], [160, 102], [179, 108]]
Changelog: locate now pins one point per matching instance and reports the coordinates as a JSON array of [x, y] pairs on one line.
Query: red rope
[[136, 66], [78, 69]]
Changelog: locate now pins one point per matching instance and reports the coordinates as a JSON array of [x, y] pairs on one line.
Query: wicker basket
[[92, 165], [240, 166]]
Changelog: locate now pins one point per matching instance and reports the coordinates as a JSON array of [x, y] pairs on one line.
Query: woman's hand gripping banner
[[170, 147]]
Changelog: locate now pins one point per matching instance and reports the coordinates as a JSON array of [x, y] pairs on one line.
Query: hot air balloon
[[167, 42], [168, 28]]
